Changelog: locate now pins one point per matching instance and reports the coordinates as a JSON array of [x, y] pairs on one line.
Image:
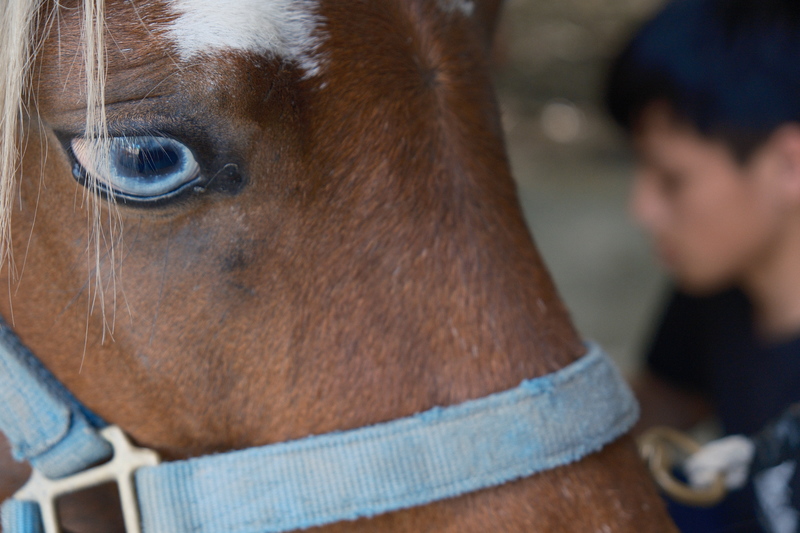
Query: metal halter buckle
[[125, 461]]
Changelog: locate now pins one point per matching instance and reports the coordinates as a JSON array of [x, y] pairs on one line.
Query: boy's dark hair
[[730, 68]]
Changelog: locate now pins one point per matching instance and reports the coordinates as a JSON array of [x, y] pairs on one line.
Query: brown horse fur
[[359, 256]]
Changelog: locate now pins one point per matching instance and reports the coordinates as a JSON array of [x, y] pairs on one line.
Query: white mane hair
[[20, 20], [17, 21]]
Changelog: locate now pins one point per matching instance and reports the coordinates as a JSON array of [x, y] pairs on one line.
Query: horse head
[[242, 223]]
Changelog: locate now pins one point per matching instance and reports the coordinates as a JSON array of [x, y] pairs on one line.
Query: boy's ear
[[787, 144]]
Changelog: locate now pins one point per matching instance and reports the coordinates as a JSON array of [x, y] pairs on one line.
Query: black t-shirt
[[708, 345]]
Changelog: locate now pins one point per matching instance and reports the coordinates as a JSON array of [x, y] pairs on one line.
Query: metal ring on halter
[[660, 447]]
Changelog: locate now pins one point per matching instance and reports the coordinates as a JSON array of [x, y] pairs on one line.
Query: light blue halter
[[440, 453]]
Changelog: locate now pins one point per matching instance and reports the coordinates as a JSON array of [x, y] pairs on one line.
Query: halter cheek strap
[[438, 454], [43, 422]]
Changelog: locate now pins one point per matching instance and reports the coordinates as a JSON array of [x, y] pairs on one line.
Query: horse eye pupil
[[147, 161], [159, 159]]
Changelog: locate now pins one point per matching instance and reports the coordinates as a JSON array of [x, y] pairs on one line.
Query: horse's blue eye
[[139, 168]]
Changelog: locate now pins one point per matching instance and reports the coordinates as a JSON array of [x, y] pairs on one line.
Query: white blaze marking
[[289, 29]]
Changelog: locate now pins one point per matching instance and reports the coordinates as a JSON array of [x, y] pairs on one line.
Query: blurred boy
[[710, 93]]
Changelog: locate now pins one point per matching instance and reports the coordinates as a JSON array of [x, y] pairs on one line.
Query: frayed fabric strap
[[43, 422], [441, 453]]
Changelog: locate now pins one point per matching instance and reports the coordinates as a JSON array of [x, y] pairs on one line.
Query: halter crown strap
[[441, 453]]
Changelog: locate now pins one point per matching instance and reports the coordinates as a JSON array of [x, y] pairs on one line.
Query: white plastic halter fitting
[[125, 461]]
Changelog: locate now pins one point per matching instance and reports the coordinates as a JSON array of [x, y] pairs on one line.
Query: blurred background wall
[[572, 164]]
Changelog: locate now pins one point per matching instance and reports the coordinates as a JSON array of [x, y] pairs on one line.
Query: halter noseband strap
[[441, 453]]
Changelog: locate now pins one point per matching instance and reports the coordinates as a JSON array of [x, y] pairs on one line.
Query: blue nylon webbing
[[438, 454], [43, 422], [21, 517], [441, 453]]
